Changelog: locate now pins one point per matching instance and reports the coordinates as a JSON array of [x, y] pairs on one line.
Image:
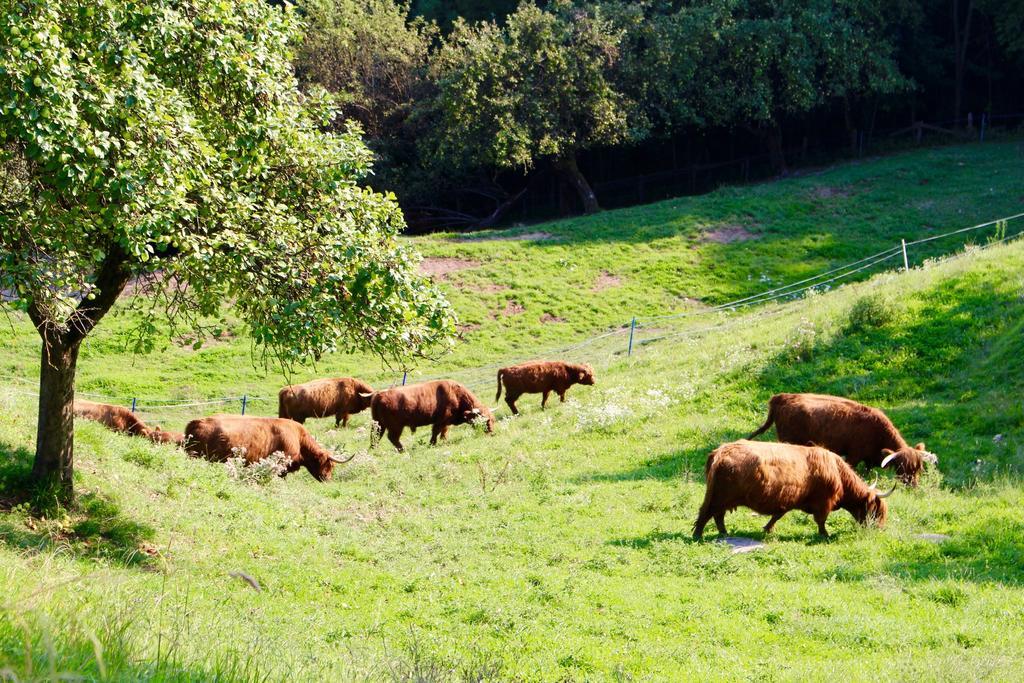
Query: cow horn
[[930, 458], [369, 395], [887, 458], [338, 460], [874, 484], [889, 492]]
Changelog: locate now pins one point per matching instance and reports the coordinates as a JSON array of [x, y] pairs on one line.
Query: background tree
[[166, 140], [779, 60], [369, 55], [538, 88]]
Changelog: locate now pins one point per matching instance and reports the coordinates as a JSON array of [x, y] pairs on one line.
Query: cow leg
[[342, 419], [770, 526], [511, 399], [393, 436], [544, 401], [561, 396], [720, 523], [703, 517], [820, 518], [435, 431]]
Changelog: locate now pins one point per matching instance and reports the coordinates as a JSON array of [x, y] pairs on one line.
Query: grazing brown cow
[[160, 436], [340, 397], [216, 438], [774, 478], [541, 377], [120, 419], [858, 432], [441, 403]]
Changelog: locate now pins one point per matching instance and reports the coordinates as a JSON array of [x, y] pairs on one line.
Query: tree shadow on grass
[[92, 527]]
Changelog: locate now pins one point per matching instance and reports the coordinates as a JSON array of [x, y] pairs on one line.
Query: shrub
[[871, 312]]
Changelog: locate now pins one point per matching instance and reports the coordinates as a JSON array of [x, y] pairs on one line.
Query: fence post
[[133, 404], [984, 120], [245, 399], [632, 327], [906, 266], [405, 375]]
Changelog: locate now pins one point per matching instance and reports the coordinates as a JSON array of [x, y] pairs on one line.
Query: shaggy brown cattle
[[161, 436], [541, 377], [774, 478], [856, 431], [340, 397], [118, 418], [122, 420], [441, 403], [219, 437]]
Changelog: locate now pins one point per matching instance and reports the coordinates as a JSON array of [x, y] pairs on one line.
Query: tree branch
[[111, 280]]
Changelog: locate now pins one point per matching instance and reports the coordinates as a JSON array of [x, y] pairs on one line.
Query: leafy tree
[[166, 140], [663, 66], [369, 55], [792, 57], [537, 88]]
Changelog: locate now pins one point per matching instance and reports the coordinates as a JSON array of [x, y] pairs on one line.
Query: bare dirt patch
[[549, 318], [465, 328], [727, 234], [605, 281], [441, 266], [511, 308], [523, 236]]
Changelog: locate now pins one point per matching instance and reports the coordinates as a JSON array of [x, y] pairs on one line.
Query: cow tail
[[705, 512], [498, 395], [281, 410], [767, 423]]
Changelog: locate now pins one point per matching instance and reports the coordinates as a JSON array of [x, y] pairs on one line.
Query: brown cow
[[858, 432], [541, 377], [340, 397], [122, 420], [161, 436], [774, 478], [441, 403], [216, 438]]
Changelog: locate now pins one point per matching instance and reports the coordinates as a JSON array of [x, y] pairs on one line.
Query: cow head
[[476, 413], [584, 375], [908, 462], [158, 435], [322, 467], [364, 398], [873, 506]]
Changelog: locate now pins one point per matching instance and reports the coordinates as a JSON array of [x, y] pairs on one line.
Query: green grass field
[[559, 548]]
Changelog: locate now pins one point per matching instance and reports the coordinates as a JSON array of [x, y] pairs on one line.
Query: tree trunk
[[776, 151], [53, 469], [570, 171], [851, 130], [961, 39]]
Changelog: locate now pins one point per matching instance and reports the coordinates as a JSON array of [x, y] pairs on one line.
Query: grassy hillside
[[572, 278], [559, 549]]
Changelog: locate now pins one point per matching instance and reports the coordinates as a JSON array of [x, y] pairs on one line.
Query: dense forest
[[482, 112]]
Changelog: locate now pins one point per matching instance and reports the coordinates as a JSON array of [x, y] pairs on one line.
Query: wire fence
[[606, 347]]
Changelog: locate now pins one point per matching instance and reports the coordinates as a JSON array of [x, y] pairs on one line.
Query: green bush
[[871, 312]]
